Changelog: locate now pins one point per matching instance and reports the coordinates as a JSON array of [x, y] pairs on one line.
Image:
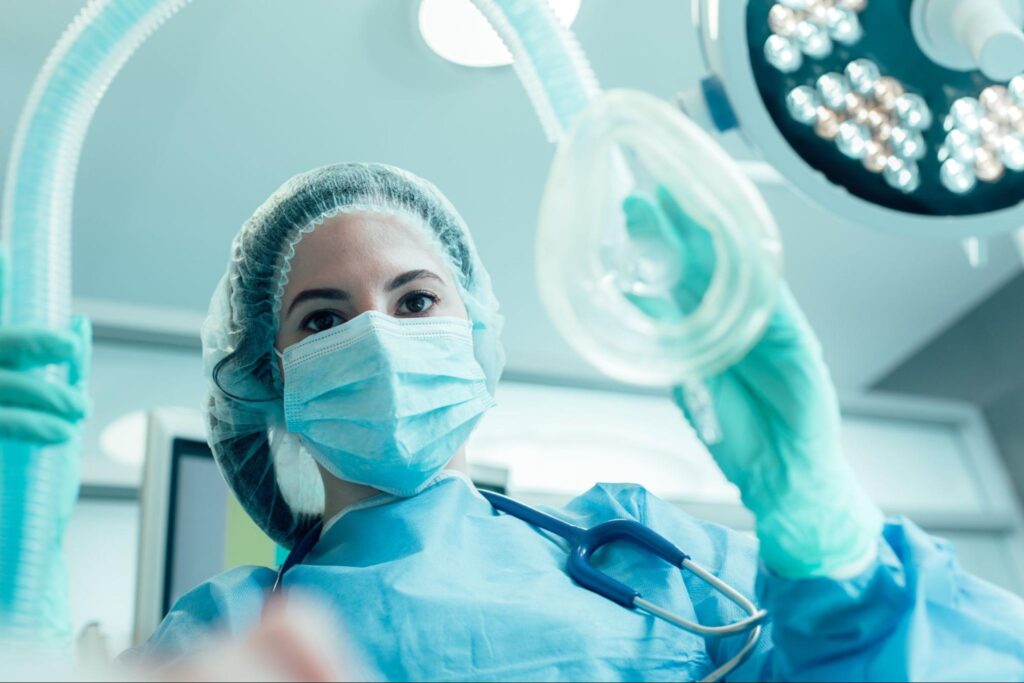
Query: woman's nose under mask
[[384, 401]]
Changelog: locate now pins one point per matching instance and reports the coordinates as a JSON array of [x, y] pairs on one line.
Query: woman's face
[[361, 262]]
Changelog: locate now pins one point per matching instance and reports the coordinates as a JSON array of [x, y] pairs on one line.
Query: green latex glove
[[779, 417], [32, 408], [662, 223]]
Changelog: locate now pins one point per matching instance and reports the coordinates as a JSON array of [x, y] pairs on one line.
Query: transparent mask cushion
[[657, 258]]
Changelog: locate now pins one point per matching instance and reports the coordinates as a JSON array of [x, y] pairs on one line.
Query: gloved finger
[[20, 424], [649, 231], [746, 454], [22, 390], [645, 220], [655, 307], [698, 244], [81, 329], [786, 366], [745, 430], [684, 224], [789, 321], [697, 251], [689, 245], [29, 347]]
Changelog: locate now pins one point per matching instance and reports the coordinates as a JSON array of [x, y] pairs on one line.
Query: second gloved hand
[[32, 408], [779, 419]]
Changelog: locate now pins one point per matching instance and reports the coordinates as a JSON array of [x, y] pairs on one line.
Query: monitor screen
[[208, 531]]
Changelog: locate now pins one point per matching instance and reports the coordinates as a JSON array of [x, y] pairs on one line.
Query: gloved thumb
[[78, 373]]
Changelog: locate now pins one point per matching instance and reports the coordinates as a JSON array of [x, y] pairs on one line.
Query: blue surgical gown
[[441, 587]]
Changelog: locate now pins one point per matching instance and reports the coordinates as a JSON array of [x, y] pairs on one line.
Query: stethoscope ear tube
[[756, 616], [752, 624]]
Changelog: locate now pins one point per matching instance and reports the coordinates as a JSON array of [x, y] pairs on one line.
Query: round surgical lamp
[[905, 115]]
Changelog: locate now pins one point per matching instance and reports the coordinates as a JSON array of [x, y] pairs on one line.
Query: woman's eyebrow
[[321, 293], [406, 278]]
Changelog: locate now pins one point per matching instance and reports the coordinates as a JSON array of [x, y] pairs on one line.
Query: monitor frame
[[168, 431]]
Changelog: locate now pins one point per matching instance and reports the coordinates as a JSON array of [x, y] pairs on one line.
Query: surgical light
[[913, 112], [907, 115], [1016, 90], [803, 103], [1012, 152], [957, 176], [783, 53], [843, 25], [813, 39]]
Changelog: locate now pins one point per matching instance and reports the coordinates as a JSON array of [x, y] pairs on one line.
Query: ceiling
[[231, 97]]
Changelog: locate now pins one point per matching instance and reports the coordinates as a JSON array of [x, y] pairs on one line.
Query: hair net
[[272, 475]]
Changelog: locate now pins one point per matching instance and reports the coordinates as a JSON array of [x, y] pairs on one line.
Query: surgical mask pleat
[[385, 402], [420, 431], [358, 402], [411, 433]]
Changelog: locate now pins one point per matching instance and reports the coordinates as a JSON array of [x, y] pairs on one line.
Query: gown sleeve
[[229, 603], [914, 614]]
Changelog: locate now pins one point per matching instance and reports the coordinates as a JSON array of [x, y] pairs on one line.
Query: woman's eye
[[416, 303], [322, 320]]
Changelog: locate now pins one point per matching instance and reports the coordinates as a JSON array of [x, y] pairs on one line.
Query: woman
[[353, 345]]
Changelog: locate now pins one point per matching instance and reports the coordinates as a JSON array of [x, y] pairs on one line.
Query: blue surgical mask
[[384, 401]]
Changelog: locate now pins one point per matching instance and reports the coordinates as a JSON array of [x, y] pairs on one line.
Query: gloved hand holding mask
[[779, 419], [33, 408]]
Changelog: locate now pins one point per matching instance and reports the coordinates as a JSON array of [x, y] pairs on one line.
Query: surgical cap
[[272, 475]]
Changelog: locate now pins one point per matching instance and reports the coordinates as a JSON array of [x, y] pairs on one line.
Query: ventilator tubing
[[38, 486], [547, 58]]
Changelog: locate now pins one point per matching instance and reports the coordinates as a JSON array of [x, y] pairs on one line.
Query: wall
[[979, 359]]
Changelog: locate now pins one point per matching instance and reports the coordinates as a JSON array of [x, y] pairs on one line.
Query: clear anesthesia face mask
[[657, 257]]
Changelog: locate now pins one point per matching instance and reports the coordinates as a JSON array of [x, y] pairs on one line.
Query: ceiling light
[[457, 31]]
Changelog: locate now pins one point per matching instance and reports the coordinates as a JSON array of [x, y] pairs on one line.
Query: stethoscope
[[583, 543]]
